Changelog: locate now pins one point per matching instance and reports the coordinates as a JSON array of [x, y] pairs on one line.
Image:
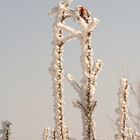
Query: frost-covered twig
[[123, 110], [124, 132], [5, 131], [71, 37], [53, 135], [90, 71], [89, 83], [79, 104], [46, 134], [57, 72], [68, 28]]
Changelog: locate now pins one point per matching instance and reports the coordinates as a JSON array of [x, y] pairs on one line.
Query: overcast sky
[[25, 56]]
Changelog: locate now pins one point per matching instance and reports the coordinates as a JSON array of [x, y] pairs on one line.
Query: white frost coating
[[57, 72], [70, 77], [122, 132], [97, 68], [82, 23], [90, 75], [71, 37], [93, 24], [46, 134], [68, 29], [89, 70], [75, 102]]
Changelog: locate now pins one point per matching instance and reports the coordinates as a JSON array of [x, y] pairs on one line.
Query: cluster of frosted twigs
[[86, 90], [124, 132], [90, 69]]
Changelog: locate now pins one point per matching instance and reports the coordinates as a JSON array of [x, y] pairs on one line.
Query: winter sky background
[[25, 56]]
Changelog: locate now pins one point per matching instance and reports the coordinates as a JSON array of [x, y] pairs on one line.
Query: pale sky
[[25, 56]]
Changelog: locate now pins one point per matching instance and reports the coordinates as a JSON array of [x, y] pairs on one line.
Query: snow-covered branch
[[68, 28], [79, 104], [53, 134], [123, 110], [93, 24], [46, 134]]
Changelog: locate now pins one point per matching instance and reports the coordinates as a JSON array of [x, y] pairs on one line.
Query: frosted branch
[[93, 24], [46, 134], [79, 104], [53, 134], [68, 28], [71, 37], [97, 68], [57, 73], [123, 110]]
